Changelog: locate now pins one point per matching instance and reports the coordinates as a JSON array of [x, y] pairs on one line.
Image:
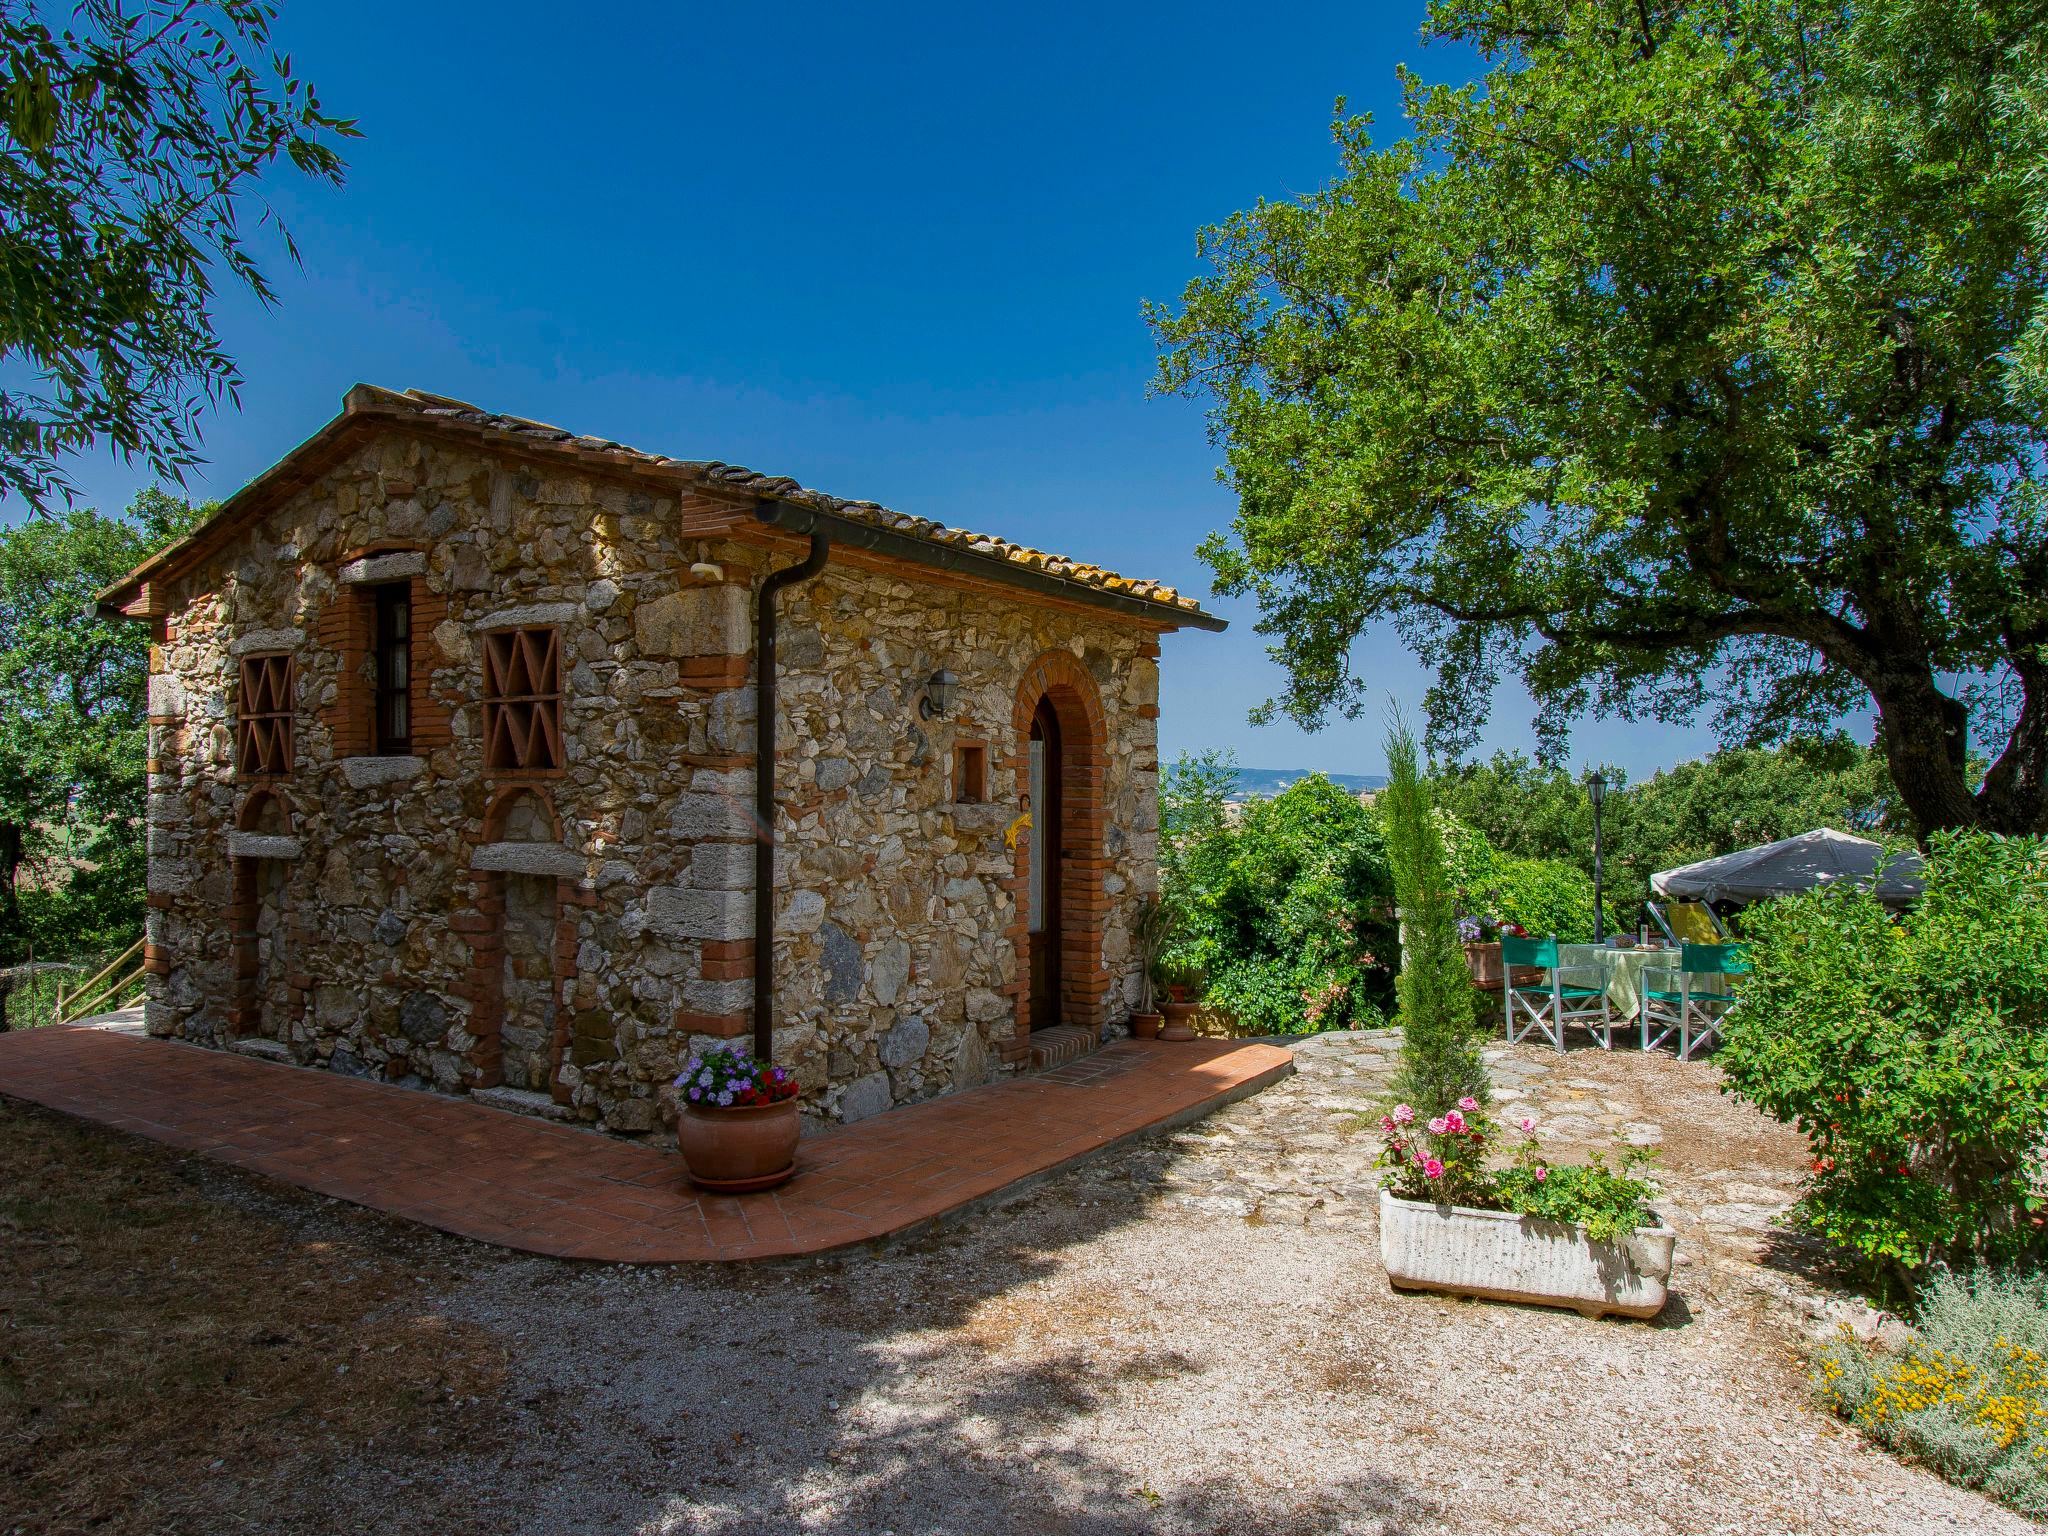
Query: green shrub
[[1912, 1053], [1544, 896], [1287, 905], [1968, 1395], [1439, 1046]]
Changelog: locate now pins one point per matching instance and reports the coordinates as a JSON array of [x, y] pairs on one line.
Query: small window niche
[[970, 773]]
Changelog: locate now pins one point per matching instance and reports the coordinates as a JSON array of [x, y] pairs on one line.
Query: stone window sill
[[528, 859], [367, 772], [258, 845]]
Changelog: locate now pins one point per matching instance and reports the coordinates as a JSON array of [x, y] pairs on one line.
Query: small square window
[[970, 774], [523, 701], [263, 717]]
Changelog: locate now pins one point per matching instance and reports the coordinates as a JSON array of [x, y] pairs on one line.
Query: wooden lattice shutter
[[264, 718], [522, 700]]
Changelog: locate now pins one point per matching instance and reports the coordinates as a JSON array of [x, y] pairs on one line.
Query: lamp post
[[1596, 791]]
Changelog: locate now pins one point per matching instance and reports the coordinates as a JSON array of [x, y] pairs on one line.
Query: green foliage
[[1913, 1054], [1439, 1046], [1968, 1395], [1609, 1203], [1693, 358], [134, 131], [1443, 1159], [1286, 904], [1735, 798], [72, 736], [1544, 896]]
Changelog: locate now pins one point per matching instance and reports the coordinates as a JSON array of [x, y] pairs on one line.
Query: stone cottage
[[454, 775]]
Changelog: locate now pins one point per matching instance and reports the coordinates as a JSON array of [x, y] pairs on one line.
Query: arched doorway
[[1060, 746]]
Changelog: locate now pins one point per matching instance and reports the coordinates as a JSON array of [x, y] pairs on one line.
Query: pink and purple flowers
[[728, 1077]]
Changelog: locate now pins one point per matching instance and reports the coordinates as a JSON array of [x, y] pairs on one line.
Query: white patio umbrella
[[1820, 857]]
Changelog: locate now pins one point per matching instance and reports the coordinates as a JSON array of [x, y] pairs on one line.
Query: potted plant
[[1561, 1236], [736, 1125], [1481, 939], [1149, 933], [1184, 981]]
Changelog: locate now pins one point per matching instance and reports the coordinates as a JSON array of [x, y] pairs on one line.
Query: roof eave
[[800, 518]]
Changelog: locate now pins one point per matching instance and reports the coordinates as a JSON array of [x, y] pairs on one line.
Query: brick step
[[1062, 1043]]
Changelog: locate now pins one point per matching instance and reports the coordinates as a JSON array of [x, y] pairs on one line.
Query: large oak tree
[[1691, 360]]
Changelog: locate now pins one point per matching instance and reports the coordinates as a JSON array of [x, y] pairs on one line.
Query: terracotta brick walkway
[[527, 1184]]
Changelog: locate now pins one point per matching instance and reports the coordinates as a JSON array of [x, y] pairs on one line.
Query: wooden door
[[1043, 916]]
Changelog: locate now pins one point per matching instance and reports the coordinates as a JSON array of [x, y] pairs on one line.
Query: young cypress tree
[[1439, 1045]]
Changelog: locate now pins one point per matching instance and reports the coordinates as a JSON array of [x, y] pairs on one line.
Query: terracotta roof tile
[[737, 478]]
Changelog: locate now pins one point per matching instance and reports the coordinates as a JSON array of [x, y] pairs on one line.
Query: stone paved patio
[[565, 1193], [1727, 1175]]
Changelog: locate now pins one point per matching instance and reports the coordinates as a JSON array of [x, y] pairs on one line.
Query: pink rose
[[1403, 1115], [1454, 1122], [1387, 1124], [1468, 1104], [1528, 1125], [1438, 1126], [1542, 1174], [1431, 1168]]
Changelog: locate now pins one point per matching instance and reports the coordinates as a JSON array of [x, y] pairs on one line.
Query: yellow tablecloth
[[1620, 971]]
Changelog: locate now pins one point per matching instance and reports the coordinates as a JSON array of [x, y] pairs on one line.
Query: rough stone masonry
[[366, 846]]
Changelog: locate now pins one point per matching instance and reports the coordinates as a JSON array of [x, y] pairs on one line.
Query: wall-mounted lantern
[[938, 695]]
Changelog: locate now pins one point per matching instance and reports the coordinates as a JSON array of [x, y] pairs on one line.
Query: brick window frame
[[522, 701], [264, 711], [347, 632]]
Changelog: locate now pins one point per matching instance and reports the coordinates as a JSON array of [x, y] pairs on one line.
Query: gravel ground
[[1190, 1335]]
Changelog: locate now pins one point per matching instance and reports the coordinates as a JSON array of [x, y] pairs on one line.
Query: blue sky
[[897, 252]]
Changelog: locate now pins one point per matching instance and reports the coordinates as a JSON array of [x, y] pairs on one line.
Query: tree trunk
[[2015, 793], [1925, 735]]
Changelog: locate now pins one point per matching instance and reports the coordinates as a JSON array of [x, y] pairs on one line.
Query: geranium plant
[[1443, 1161], [728, 1077]]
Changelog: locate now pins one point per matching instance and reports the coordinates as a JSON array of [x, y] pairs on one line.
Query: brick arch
[[266, 804], [507, 799], [1058, 678]]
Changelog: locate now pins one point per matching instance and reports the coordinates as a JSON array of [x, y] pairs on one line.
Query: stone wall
[[385, 881]]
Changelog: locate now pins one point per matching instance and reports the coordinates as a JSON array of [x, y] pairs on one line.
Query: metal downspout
[[764, 789]]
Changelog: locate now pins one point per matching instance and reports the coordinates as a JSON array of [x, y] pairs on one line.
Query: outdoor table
[[1620, 972]]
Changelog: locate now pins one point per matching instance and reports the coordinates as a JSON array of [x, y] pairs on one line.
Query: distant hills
[[1265, 782]]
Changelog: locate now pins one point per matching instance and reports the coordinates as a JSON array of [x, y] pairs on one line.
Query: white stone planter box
[[1504, 1256]]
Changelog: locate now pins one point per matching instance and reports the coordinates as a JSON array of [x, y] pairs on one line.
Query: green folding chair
[[1672, 1003], [1547, 1009]]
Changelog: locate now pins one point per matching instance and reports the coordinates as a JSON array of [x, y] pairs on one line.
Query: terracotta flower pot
[[1484, 962], [735, 1150], [1145, 1026], [1178, 1016]]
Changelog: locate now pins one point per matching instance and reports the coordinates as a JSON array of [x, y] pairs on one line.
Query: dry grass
[[170, 1360]]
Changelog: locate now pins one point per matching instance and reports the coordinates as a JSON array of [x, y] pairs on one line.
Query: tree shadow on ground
[[941, 1385]]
